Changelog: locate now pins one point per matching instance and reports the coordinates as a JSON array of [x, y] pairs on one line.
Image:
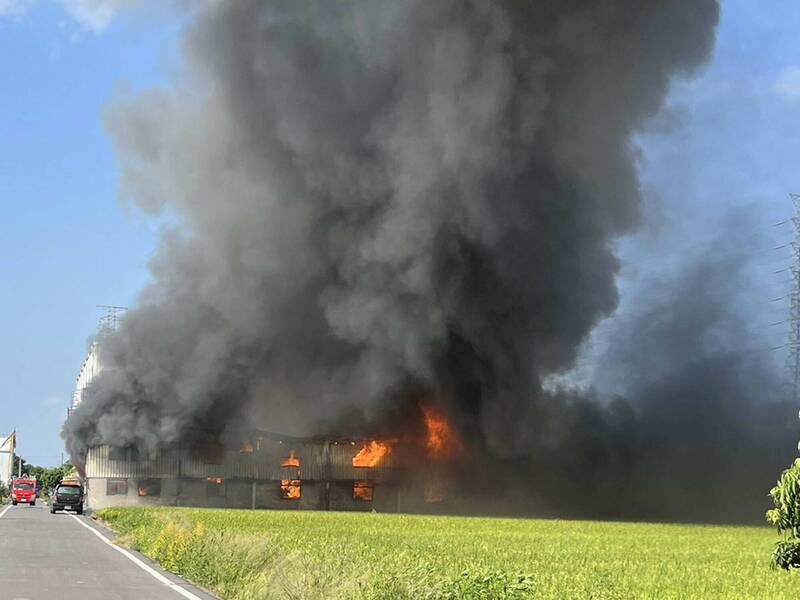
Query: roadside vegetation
[[48, 477], [244, 555], [785, 517]]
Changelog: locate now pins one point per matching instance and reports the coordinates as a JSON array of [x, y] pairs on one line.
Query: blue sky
[[736, 151], [727, 141], [67, 243]]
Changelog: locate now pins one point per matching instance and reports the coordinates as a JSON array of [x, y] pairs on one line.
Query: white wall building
[[92, 365], [8, 445], [90, 369]]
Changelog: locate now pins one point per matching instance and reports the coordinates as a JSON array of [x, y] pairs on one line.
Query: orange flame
[[290, 489], [442, 441], [363, 490], [291, 461], [247, 448], [371, 454]]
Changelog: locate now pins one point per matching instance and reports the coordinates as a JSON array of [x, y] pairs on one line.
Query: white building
[[90, 369], [8, 445]]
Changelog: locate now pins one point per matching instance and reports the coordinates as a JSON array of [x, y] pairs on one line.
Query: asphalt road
[[56, 557]]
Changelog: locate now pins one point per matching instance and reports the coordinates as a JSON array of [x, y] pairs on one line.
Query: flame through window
[[371, 454], [149, 487], [290, 489], [363, 491]]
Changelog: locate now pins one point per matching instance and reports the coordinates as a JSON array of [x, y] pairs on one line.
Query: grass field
[[305, 555]]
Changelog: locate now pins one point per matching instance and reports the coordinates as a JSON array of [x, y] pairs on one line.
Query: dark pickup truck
[[67, 496]]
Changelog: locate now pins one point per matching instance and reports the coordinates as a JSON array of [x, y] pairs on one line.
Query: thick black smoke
[[702, 426], [385, 196]]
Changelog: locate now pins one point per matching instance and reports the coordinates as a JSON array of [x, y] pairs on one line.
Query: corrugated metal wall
[[164, 464], [319, 461]]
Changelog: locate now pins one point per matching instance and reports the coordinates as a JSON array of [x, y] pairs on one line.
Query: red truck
[[23, 490]]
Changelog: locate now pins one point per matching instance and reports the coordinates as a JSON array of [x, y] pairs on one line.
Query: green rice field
[[308, 555]]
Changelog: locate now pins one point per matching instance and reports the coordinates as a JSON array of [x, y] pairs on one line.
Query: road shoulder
[[181, 586]]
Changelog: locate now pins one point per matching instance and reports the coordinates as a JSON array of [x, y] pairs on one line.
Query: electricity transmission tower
[[110, 320], [793, 345]]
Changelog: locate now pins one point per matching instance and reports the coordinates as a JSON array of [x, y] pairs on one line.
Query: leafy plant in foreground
[[786, 518]]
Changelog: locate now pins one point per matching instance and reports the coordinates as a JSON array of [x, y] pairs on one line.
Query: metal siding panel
[[240, 466], [195, 466], [163, 464], [268, 460], [319, 461], [315, 467], [93, 467]]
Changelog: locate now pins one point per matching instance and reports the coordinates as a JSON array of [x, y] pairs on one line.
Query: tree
[[47, 477], [786, 518], [25, 466]]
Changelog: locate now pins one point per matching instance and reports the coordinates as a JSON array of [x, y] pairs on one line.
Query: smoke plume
[[392, 198], [701, 425]]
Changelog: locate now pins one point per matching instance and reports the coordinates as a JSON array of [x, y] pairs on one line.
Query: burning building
[[265, 471], [373, 200], [269, 470]]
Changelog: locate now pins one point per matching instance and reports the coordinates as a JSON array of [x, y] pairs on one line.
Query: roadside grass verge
[[247, 555]]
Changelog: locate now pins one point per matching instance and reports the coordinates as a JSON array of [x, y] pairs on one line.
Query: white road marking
[[5, 510], [145, 567]]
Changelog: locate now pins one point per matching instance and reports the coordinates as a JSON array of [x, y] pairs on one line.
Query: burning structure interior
[[267, 471]]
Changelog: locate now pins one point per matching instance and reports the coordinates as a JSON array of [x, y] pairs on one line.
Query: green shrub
[[786, 555], [785, 517]]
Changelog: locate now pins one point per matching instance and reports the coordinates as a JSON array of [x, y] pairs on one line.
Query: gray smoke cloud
[[701, 425], [379, 200]]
